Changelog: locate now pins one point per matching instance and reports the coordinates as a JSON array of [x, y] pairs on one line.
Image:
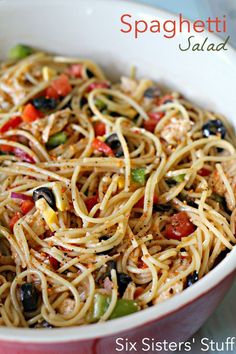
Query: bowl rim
[[225, 269]]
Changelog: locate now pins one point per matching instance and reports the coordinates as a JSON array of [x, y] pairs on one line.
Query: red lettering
[[155, 26], [224, 24], [217, 24], [171, 30], [182, 21], [199, 26], [209, 21], [142, 29], [126, 23]]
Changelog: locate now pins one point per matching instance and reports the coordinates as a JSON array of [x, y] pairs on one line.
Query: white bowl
[[92, 29]]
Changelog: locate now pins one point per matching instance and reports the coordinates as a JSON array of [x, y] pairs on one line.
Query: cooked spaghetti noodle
[[113, 197]]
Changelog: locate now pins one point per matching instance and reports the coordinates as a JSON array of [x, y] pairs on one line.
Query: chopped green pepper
[[99, 307], [20, 51], [100, 104], [138, 175], [56, 140], [124, 307], [178, 178], [101, 303]]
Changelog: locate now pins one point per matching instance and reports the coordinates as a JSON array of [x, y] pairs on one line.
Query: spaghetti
[[113, 197]]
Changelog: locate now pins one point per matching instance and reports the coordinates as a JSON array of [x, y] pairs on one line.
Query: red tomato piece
[[204, 172], [99, 128], [47, 233], [95, 85], [14, 219], [179, 226], [11, 124], [155, 199], [150, 124], [6, 148], [54, 262], [50, 92], [90, 202], [139, 291], [102, 147], [30, 113], [26, 206], [75, 70], [140, 203], [156, 116], [141, 264], [62, 85]]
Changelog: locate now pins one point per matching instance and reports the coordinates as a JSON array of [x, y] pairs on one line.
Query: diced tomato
[[155, 199], [75, 70], [102, 147], [11, 124], [90, 202], [30, 113], [141, 264], [204, 172], [138, 292], [62, 85], [46, 234], [63, 249], [156, 116], [6, 148], [54, 262], [50, 92], [179, 226], [95, 85], [99, 128], [26, 206], [151, 123], [140, 203], [14, 219], [164, 99], [23, 156]]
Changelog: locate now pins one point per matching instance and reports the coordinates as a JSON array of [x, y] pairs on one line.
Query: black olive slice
[[29, 297], [214, 127], [47, 194]]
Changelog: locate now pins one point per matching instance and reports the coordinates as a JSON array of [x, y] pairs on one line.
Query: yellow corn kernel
[[48, 214], [48, 73], [121, 182], [62, 202]]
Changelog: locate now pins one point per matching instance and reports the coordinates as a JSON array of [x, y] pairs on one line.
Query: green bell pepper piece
[[178, 178], [100, 104], [124, 307], [20, 51], [56, 140], [101, 303], [138, 175], [99, 307]]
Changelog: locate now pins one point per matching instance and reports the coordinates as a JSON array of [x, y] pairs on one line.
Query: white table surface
[[222, 323]]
